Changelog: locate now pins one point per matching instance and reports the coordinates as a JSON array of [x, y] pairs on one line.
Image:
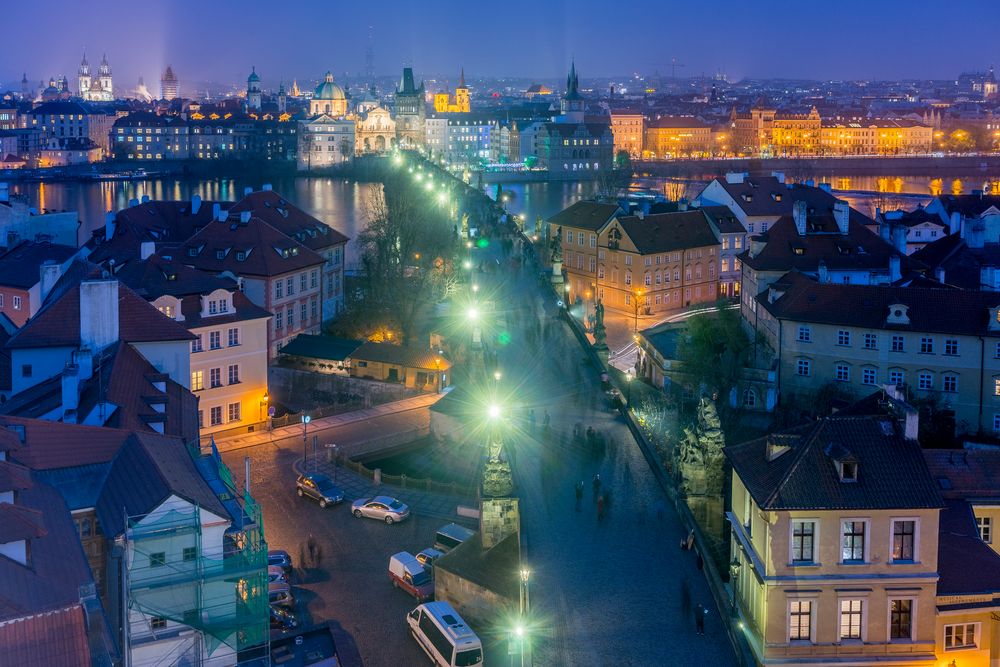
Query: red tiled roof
[[18, 522], [58, 323], [49, 444], [56, 638], [966, 473], [275, 210], [266, 251]]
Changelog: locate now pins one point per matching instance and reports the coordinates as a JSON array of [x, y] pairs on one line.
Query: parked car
[[382, 508], [282, 619], [407, 573], [450, 536], [279, 594], [427, 558], [275, 573], [280, 559], [320, 488]]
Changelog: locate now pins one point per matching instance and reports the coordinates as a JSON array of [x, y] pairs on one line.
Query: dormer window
[[848, 471], [241, 256], [220, 254], [192, 252]]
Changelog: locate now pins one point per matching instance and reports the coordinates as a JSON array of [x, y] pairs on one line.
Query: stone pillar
[[557, 276], [498, 518]]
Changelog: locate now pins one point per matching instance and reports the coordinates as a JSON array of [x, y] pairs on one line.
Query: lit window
[[903, 540], [803, 540], [197, 380], [850, 619], [853, 541], [985, 525], [960, 636], [900, 619], [800, 620]]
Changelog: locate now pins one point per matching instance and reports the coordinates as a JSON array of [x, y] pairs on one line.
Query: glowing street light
[[442, 197], [493, 411], [467, 264], [475, 288], [473, 313]]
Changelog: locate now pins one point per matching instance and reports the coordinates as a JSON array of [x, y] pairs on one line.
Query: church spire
[[461, 79]]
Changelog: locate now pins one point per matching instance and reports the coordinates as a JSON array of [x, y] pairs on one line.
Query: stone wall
[[498, 518], [478, 606], [305, 390]]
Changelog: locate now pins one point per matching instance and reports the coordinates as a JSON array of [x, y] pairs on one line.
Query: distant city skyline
[[221, 41]]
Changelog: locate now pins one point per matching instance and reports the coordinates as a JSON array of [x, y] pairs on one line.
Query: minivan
[[444, 636], [450, 536], [407, 573]]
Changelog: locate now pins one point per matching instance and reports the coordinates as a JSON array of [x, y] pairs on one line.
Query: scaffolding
[[184, 570]]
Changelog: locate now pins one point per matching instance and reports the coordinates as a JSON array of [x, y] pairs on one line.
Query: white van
[[450, 536], [444, 636]]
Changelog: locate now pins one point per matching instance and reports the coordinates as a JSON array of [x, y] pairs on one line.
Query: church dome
[[328, 90], [253, 76]]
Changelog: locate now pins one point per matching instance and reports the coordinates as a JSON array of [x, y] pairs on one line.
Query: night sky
[[220, 40]]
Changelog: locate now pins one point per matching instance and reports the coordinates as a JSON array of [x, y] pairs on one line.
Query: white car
[[382, 508]]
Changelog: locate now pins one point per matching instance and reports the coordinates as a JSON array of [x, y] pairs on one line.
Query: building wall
[[171, 357], [325, 143], [629, 133], [661, 142], [16, 304], [765, 592], [311, 298]]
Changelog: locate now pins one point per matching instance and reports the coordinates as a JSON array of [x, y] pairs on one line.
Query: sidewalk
[[317, 426]]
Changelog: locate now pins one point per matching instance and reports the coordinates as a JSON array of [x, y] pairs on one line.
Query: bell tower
[[83, 77]]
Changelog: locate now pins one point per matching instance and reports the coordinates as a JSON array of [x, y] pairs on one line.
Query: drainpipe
[[982, 374]]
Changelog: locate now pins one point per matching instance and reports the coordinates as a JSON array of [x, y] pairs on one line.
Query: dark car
[[281, 559], [319, 487], [282, 619]]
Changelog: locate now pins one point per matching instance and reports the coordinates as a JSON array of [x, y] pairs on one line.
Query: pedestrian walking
[[596, 484], [690, 540], [311, 546], [699, 619], [685, 597], [699, 562], [546, 420], [579, 494], [600, 508]]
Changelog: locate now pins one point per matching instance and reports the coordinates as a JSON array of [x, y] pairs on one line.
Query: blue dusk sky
[[219, 40]]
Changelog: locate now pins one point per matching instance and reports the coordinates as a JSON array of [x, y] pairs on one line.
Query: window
[[158, 559], [951, 346], [897, 344], [17, 303], [959, 636], [314, 307], [215, 377], [843, 373], [800, 620], [896, 377], [926, 345], [900, 619], [593, 241], [871, 341], [903, 539], [803, 539], [278, 319], [313, 279], [843, 337], [996, 350], [303, 312], [213, 307], [234, 337], [925, 381], [215, 416], [628, 278], [628, 260], [278, 289], [290, 286], [290, 316], [190, 554], [853, 541], [234, 412], [985, 525], [803, 367], [869, 376], [197, 380], [850, 619], [302, 282], [234, 374], [157, 623], [196, 344], [805, 334], [949, 383], [214, 340]]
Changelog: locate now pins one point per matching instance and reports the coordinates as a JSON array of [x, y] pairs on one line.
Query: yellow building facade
[[678, 136], [629, 131], [460, 103]]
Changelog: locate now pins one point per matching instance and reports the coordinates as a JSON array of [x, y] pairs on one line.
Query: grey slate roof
[[585, 215], [665, 232], [891, 469], [147, 470], [321, 347]]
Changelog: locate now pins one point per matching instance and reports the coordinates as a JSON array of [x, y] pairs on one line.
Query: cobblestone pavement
[[602, 591]]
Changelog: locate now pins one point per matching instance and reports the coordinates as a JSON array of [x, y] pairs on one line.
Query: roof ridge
[[805, 443]]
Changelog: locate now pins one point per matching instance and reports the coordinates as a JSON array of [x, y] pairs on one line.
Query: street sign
[[306, 419]]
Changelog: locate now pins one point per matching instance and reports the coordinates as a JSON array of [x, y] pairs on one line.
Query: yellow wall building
[[835, 544], [628, 129], [677, 136], [460, 103]]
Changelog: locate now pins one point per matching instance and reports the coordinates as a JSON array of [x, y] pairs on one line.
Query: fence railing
[[467, 490], [325, 411]]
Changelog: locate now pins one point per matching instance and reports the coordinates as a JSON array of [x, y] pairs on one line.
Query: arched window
[[749, 398]]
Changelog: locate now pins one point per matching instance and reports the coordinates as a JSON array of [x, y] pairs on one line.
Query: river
[[341, 202]]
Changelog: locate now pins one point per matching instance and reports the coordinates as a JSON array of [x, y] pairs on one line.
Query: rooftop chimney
[[145, 199], [780, 175], [894, 271], [70, 389], [133, 202], [216, 209], [826, 187], [824, 274], [842, 214], [244, 217], [899, 238], [147, 248], [799, 213], [939, 274], [267, 187], [109, 226], [195, 204], [48, 275], [247, 191], [98, 313], [84, 360], [736, 176]]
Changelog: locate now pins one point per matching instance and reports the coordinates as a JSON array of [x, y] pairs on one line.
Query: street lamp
[[263, 402], [734, 570], [628, 383], [635, 310], [305, 435]]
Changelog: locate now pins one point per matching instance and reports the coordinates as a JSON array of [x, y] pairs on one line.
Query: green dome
[[328, 90]]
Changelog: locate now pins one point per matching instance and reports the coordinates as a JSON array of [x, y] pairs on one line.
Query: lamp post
[[635, 311], [734, 569], [628, 383], [263, 402], [305, 435]]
